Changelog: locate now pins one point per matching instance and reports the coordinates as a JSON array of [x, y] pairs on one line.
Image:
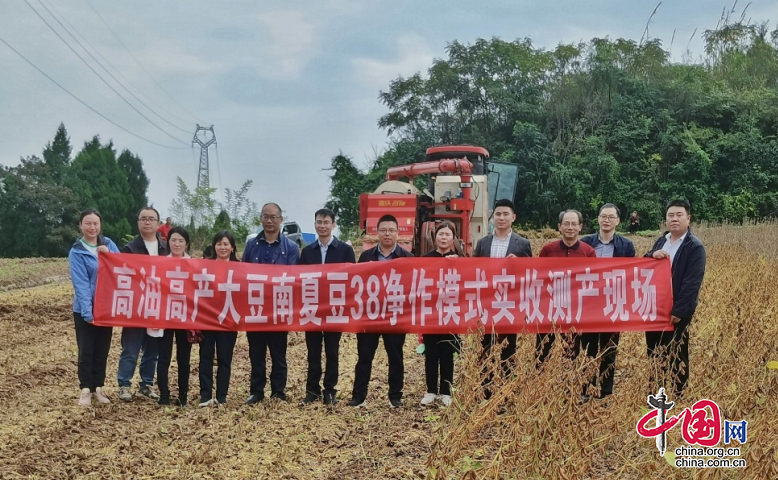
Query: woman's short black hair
[[181, 231], [221, 234]]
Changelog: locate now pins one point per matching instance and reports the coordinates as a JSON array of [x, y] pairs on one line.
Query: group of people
[[270, 246]]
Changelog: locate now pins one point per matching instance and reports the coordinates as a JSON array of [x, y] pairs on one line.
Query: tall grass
[[534, 426]]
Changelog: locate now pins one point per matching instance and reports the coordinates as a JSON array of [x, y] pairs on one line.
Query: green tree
[[37, 217], [196, 208], [137, 184], [56, 155], [244, 213], [347, 183], [96, 179], [222, 222]]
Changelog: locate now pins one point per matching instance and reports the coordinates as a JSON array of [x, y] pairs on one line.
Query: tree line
[[40, 199], [604, 121]]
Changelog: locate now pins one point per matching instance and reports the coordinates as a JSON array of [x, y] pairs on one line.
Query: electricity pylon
[[203, 172]]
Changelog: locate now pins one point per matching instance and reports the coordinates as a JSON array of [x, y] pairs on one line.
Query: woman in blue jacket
[[93, 341]]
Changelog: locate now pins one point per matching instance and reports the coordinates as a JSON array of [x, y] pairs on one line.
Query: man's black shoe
[[310, 398], [278, 396], [329, 398], [395, 403], [357, 402], [254, 399]]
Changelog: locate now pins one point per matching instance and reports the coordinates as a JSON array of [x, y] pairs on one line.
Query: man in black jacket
[[687, 260], [607, 244], [134, 339], [367, 343], [326, 249], [503, 243]]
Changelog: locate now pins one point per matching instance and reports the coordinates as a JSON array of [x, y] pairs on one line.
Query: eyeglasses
[[608, 217], [326, 223], [570, 224], [147, 220], [385, 231], [271, 217]]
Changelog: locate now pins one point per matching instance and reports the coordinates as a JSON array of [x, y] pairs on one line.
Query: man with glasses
[[607, 244], [570, 224], [367, 343], [269, 247], [326, 249], [149, 242]]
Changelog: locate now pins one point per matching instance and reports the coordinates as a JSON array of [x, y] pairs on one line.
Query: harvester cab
[[462, 188]]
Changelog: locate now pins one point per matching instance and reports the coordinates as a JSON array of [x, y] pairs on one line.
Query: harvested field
[[529, 429]]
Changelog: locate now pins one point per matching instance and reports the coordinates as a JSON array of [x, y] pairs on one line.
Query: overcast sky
[[287, 85]]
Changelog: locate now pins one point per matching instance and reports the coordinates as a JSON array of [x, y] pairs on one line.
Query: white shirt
[[672, 247], [152, 247], [90, 248], [499, 246]]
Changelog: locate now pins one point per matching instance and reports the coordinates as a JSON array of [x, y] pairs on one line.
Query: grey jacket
[[518, 246]]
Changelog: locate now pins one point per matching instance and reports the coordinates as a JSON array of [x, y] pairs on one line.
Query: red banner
[[413, 295]]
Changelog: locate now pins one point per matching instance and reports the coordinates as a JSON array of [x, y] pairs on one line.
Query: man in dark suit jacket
[[503, 243], [687, 260], [367, 343], [607, 244], [326, 249], [134, 339]]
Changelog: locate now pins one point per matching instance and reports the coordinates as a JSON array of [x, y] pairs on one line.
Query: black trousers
[[314, 340], [222, 344], [367, 344], [605, 344], [183, 351], [439, 353], [259, 344], [93, 345], [672, 349], [506, 357], [544, 342]]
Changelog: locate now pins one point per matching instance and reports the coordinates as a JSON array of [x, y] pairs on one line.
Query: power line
[[100, 77], [84, 103], [109, 63], [193, 116]]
